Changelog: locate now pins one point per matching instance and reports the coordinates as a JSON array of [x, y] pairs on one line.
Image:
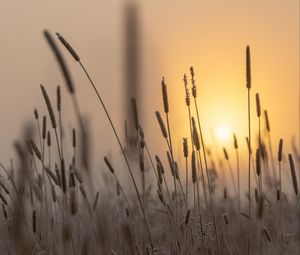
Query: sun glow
[[223, 133]]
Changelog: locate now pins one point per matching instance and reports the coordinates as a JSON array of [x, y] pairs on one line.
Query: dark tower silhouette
[[132, 72]]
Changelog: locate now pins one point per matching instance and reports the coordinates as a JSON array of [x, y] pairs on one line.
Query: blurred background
[[128, 46]]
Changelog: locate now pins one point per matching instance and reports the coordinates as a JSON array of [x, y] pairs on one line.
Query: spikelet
[[73, 202], [161, 197], [49, 106], [160, 177], [96, 201], [246, 215], [48, 139], [258, 109], [225, 153], [63, 176], [194, 88], [4, 188], [160, 163], [187, 217], [74, 138], [35, 149], [263, 152], [68, 47], [171, 163], [256, 195], [58, 175], [248, 68], [3, 199], [78, 176], [135, 113], [185, 148], [109, 165], [195, 135], [258, 163], [176, 170], [226, 219], [141, 132], [72, 178], [293, 173], [260, 208], [280, 150], [235, 142], [52, 175], [58, 99], [36, 113], [53, 193], [162, 125], [44, 133], [82, 190], [187, 93], [194, 170], [225, 194], [142, 163], [267, 233], [60, 60], [34, 221], [4, 212], [267, 121], [142, 143], [165, 95], [248, 145]]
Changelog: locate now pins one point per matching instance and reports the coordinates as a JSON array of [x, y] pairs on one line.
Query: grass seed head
[[165, 95], [248, 68], [68, 47]]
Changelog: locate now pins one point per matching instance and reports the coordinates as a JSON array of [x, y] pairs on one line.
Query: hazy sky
[[210, 35]]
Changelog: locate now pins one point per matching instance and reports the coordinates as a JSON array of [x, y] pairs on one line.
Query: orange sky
[[210, 35]]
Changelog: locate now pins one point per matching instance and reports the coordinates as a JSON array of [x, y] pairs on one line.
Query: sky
[[209, 35]]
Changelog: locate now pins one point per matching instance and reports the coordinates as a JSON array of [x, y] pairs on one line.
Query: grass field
[[51, 205]]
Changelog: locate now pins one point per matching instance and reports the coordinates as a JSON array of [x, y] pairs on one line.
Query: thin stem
[[121, 147], [57, 141], [279, 213], [186, 183], [239, 186], [272, 160], [174, 177], [61, 134], [249, 175], [232, 177], [208, 178], [200, 167], [39, 132]]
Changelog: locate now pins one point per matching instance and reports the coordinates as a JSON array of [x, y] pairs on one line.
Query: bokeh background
[[172, 35]]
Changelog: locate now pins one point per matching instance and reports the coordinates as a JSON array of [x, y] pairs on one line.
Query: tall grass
[[50, 207]]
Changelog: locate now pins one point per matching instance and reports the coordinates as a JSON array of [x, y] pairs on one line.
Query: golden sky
[[210, 35]]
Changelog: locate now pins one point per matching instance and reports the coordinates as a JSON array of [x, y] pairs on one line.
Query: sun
[[223, 132]]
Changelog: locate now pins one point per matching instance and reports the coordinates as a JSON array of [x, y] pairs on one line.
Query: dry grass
[[51, 208]]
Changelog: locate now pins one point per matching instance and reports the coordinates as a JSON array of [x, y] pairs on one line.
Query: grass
[[53, 208]]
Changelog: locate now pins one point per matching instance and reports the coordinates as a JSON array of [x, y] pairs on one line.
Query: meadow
[[51, 204]]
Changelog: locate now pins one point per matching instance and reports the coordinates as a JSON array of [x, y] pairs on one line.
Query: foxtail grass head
[[248, 68], [60, 59], [280, 147], [267, 121], [68, 47], [49, 106], [187, 93], [258, 108], [194, 88], [165, 95], [293, 173]]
